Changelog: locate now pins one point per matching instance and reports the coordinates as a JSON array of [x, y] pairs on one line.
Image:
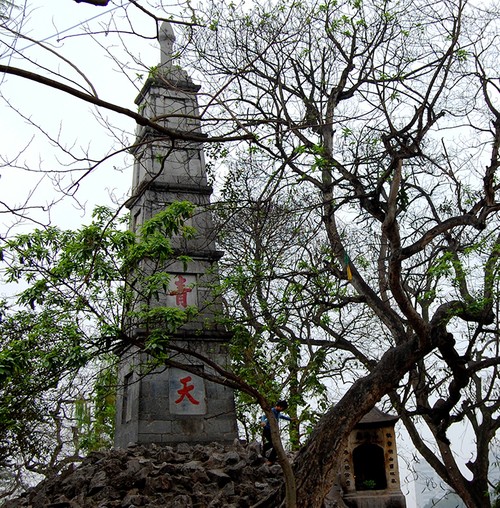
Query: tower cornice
[[172, 188], [170, 81]]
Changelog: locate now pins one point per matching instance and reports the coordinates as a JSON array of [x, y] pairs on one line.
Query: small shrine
[[369, 475]]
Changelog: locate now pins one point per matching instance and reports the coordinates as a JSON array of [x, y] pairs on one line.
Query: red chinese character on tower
[[184, 391], [181, 292]]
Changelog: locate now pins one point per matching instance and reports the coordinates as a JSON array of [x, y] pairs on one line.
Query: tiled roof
[[375, 416]]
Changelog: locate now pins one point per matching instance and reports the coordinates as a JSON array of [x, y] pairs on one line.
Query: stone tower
[[172, 405]]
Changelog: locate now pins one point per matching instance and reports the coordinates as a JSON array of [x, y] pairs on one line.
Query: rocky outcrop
[[184, 476]]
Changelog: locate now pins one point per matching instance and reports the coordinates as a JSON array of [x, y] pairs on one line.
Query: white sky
[[64, 117]]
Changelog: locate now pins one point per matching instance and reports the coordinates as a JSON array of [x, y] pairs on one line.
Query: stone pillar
[[172, 405]]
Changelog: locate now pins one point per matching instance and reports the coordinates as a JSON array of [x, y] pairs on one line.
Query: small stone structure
[[369, 475], [173, 405]]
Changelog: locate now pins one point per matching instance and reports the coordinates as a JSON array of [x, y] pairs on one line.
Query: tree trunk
[[290, 486], [317, 464]]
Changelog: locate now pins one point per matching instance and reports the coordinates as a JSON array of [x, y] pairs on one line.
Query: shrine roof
[[376, 417]]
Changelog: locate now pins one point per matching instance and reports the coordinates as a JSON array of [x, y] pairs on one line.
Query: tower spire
[[166, 37]]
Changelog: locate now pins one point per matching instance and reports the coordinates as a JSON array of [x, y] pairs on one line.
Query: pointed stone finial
[[166, 38]]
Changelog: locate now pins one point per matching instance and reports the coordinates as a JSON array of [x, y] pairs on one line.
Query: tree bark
[[317, 464]]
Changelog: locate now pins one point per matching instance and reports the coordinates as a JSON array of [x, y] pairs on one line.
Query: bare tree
[[385, 120], [101, 3]]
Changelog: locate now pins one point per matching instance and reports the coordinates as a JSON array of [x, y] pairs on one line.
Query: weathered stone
[[75, 482], [261, 485], [111, 467], [231, 457], [133, 465], [183, 448], [219, 476], [192, 465], [98, 482], [228, 489], [141, 476], [62, 502], [182, 501], [235, 470], [200, 453], [160, 483], [109, 492], [134, 500], [197, 477]]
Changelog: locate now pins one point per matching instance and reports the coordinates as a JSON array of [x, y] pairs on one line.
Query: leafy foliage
[[95, 418], [80, 293]]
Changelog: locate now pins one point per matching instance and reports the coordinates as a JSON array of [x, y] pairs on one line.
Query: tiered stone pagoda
[[172, 405]]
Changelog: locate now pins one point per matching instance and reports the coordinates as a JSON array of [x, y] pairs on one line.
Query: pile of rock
[[184, 476]]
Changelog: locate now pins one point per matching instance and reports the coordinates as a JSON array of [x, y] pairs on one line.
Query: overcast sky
[[61, 25]]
